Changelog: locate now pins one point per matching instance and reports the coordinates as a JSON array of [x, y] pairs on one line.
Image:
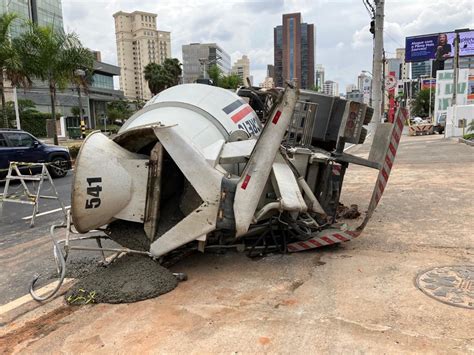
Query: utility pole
[[455, 67], [377, 86]]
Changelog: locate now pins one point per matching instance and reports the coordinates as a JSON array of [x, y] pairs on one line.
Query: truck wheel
[[58, 167]]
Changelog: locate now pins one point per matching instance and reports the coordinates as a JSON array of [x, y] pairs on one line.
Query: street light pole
[[81, 73]]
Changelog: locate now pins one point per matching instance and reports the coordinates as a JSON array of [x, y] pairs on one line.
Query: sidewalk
[[359, 297]]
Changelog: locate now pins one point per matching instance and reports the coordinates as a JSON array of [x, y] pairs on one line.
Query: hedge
[[35, 122]]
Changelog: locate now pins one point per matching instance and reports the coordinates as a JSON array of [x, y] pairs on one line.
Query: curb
[[466, 141]]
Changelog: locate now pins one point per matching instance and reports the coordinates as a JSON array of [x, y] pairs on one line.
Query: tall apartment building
[[241, 68], [270, 71], [350, 88], [41, 12], [404, 70], [138, 44], [364, 84], [267, 83], [319, 77], [331, 88], [294, 51], [198, 57]]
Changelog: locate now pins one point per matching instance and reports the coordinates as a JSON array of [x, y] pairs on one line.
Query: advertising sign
[[427, 83], [438, 46]]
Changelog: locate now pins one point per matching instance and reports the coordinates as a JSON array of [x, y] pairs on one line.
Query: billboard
[[438, 46]]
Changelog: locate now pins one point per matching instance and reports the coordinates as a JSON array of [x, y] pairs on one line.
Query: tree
[[421, 103], [75, 111], [215, 74], [161, 77], [23, 107], [232, 81], [11, 66], [119, 109], [53, 56]]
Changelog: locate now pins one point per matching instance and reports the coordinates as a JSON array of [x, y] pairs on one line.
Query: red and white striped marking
[[333, 235], [323, 238], [384, 173], [421, 129], [336, 169]]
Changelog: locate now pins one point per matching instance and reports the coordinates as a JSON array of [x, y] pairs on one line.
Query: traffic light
[[372, 27]]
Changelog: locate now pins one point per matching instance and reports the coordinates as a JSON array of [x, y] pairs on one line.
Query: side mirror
[[35, 144]]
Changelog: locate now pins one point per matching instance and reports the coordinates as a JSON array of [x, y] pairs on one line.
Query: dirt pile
[[131, 278]]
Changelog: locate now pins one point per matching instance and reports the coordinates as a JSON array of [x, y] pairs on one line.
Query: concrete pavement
[[359, 297]]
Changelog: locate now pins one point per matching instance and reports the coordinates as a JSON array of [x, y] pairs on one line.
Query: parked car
[[21, 146]]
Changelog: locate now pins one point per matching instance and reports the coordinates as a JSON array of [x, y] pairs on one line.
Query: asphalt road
[[25, 251], [13, 216]]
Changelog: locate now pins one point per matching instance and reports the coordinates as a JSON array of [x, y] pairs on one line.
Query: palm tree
[[11, 67], [53, 56], [161, 77]]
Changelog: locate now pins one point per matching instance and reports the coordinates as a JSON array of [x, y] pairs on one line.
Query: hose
[[61, 269]]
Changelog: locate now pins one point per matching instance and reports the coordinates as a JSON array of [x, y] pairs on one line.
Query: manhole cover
[[453, 285]]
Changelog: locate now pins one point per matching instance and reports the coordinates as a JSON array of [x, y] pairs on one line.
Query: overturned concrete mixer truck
[[227, 166], [201, 167]]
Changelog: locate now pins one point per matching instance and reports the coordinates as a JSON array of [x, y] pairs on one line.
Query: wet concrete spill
[[131, 278]]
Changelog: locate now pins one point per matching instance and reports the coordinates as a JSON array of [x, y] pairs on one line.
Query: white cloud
[[343, 41]]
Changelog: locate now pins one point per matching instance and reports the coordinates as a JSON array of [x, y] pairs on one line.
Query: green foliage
[[162, 76], [35, 122], [53, 56], [421, 103], [215, 74], [470, 126], [315, 88], [232, 81], [75, 111], [23, 107], [11, 64], [119, 109], [74, 150]]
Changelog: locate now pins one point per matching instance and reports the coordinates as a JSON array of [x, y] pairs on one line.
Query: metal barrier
[[26, 196]]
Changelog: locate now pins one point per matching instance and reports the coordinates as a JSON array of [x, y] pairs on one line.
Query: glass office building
[[41, 12], [294, 51]]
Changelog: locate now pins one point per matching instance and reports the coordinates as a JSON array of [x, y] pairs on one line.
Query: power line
[[369, 7], [393, 39]]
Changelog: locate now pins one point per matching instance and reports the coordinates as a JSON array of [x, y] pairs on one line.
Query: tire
[[58, 167]]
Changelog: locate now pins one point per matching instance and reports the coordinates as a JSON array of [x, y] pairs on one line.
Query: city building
[[294, 51], [94, 101], [355, 95], [40, 12], [270, 71], [198, 57], [350, 88], [138, 44], [319, 77], [464, 63], [267, 83], [420, 69], [241, 68], [404, 71], [331, 88], [364, 84]]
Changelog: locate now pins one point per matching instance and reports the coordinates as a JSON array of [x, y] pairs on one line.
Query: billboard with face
[[438, 46]]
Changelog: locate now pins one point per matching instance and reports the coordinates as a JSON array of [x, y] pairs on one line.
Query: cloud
[[343, 40]]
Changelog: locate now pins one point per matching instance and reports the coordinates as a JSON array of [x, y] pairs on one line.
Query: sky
[[343, 41]]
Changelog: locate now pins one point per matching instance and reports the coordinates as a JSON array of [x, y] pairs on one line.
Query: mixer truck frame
[[262, 169]]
